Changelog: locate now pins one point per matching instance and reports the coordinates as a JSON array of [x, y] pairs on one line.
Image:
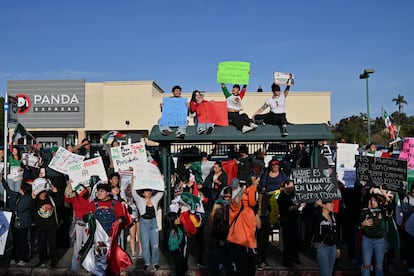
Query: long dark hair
[[193, 96]]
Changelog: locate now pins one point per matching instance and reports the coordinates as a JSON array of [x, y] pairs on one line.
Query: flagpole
[[5, 142]]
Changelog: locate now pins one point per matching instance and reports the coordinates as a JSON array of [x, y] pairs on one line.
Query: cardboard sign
[[345, 155], [389, 173], [5, 219], [63, 159], [148, 176], [235, 72], [31, 160], [312, 184], [213, 112], [407, 152], [81, 172], [283, 78], [126, 156], [40, 184], [174, 112]]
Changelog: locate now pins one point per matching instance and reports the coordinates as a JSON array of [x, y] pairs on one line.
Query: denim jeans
[[149, 240], [325, 255], [378, 246], [180, 129]]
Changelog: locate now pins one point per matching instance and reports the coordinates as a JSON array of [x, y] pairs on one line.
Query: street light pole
[[365, 76]]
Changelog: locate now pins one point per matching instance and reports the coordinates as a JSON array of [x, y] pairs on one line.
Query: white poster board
[[148, 176], [5, 219], [345, 155], [31, 160], [284, 78], [81, 172], [124, 157], [345, 163], [63, 159]]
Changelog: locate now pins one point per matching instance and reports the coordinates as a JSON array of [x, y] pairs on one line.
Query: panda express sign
[[50, 104]]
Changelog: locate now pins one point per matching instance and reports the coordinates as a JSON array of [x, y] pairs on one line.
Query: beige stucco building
[[133, 107]]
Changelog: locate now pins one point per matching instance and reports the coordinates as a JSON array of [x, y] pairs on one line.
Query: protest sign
[[174, 112], [389, 173], [235, 72], [81, 172], [312, 184], [5, 219], [40, 184], [345, 163], [345, 155], [148, 176], [125, 179], [63, 159], [16, 173], [124, 157], [281, 78], [213, 112], [31, 160], [407, 152]]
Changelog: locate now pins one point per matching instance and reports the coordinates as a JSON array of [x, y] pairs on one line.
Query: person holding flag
[[391, 128]]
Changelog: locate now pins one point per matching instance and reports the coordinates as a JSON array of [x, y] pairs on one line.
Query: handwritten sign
[[345, 155], [283, 78], [235, 72], [63, 159], [174, 112], [148, 176], [5, 219], [389, 173], [40, 184], [213, 112], [347, 176], [407, 152], [31, 160], [81, 172], [126, 156], [312, 184]]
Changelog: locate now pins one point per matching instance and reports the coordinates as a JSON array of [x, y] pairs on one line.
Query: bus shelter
[[267, 138]]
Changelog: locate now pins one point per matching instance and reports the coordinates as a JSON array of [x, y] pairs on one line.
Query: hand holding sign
[[235, 72]]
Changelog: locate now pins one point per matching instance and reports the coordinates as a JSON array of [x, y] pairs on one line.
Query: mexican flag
[[111, 136], [390, 126], [20, 132]]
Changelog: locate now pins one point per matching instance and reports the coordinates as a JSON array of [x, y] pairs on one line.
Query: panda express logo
[[47, 103], [23, 103]]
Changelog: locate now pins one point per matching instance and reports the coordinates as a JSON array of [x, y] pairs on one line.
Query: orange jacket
[[243, 230]]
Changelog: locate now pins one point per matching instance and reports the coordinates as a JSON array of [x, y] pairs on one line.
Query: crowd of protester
[[222, 212]]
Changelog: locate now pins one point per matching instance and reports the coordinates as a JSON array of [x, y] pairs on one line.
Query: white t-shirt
[[277, 104], [234, 102]]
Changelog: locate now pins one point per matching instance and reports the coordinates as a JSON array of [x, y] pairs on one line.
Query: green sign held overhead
[[235, 72]]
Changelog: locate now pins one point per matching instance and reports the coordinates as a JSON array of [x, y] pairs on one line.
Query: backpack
[[105, 216]]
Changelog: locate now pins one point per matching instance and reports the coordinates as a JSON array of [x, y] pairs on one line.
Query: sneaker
[[201, 265], [259, 267], [156, 267], [12, 262], [180, 135], [284, 131], [246, 129], [201, 131], [166, 132], [21, 263], [253, 125], [145, 267], [210, 130], [133, 256]]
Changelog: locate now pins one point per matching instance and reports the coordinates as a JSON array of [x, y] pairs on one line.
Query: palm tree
[[400, 101]]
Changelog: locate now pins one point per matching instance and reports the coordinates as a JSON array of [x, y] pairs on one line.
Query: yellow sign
[[235, 72]]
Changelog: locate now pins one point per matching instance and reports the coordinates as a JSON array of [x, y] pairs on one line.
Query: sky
[[327, 44]]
